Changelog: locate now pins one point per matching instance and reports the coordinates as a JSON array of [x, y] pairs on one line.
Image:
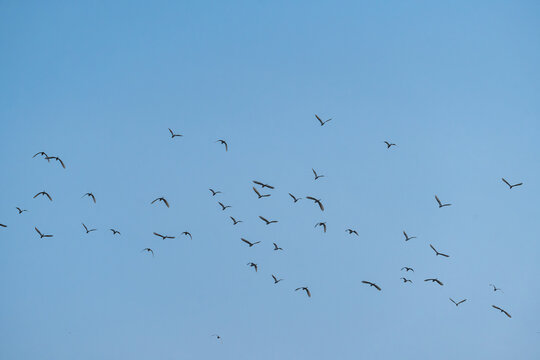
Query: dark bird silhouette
[[259, 195], [435, 280], [323, 224], [44, 193], [187, 233], [217, 336], [173, 135], [41, 236], [263, 185], [253, 265], [351, 231], [372, 284], [214, 193], [235, 221], [148, 250], [316, 175], [20, 210], [389, 145], [438, 253], [440, 203], [162, 199], [407, 269], [457, 303], [294, 197], [249, 243], [2, 225], [85, 228], [90, 195], [305, 289], [41, 153], [406, 280], [223, 207], [407, 237], [511, 186], [268, 222], [501, 310], [496, 288], [224, 143], [114, 232], [163, 237], [322, 122], [317, 201], [276, 247], [57, 159], [276, 280]]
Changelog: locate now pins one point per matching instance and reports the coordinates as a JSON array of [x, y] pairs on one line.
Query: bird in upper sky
[[235, 221], [163, 237], [320, 120], [20, 210], [44, 193], [259, 194], [217, 336], [276, 247], [435, 280], [214, 193], [42, 154], [440, 203], [438, 253], [2, 225], [161, 199], [224, 143], [187, 233], [406, 280], [407, 269], [249, 243], [372, 284], [351, 231], [88, 230], [496, 288], [510, 186], [148, 250], [114, 232], [317, 201], [276, 280], [501, 310], [305, 289], [41, 235], [457, 303], [407, 237], [223, 207], [316, 175], [173, 135], [253, 265], [263, 185], [90, 195], [323, 224], [57, 159], [389, 145], [294, 197], [268, 222]]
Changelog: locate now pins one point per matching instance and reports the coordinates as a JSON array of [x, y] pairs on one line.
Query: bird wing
[[93, 197], [35, 196], [166, 202], [324, 226], [506, 182], [47, 195], [270, 186], [38, 231], [247, 242], [274, 278], [85, 228], [318, 118], [291, 195], [452, 301], [172, 134], [256, 192], [377, 287], [507, 314], [320, 205], [154, 201], [438, 282], [437, 198], [443, 255], [496, 307], [307, 291], [311, 198], [61, 162], [158, 235], [263, 219], [366, 282], [258, 183], [462, 301], [433, 248], [517, 184]]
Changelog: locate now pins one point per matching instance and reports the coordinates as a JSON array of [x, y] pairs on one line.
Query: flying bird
[[89, 194], [294, 197], [263, 185], [323, 224], [41, 236], [249, 243], [351, 231], [162, 199], [253, 265], [268, 222], [57, 159], [217, 336], [501, 310], [407, 237], [372, 284], [187, 233], [317, 201], [320, 121], [406, 280], [2, 225], [407, 269], [440, 203], [316, 175], [20, 210], [389, 145], [276, 280], [41, 153], [496, 288], [223, 207], [148, 250], [173, 135], [235, 221], [457, 303], [85, 228], [214, 193], [44, 193], [114, 232], [438, 253], [224, 143], [305, 289], [276, 247], [511, 186], [259, 195], [163, 237], [435, 280]]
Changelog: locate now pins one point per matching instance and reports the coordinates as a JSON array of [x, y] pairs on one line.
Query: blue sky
[[454, 84]]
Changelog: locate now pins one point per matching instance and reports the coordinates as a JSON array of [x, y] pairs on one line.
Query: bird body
[[148, 250], [57, 159], [43, 193], [259, 194], [372, 284], [321, 121], [90, 195], [438, 253], [501, 310], [457, 303], [305, 289], [407, 269], [407, 237], [163, 237], [351, 231], [294, 197], [20, 210], [389, 145], [41, 235], [440, 203], [187, 233], [161, 199], [263, 185], [276, 247], [406, 280], [435, 280], [323, 224], [268, 222], [253, 265], [276, 280], [115, 232], [509, 185], [317, 201], [173, 135], [214, 193], [86, 228], [224, 143], [235, 221], [316, 175], [223, 207], [249, 243]]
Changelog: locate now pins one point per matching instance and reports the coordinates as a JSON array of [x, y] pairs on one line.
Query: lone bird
[[317, 201], [440, 203], [511, 186], [435, 280], [496, 288], [406, 280], [268, 222], [322, 122], [372, 284], [224, 143], [249, 243], [276, 247], [351, 231], [217, 336], [276, 280], [323, 224], [253, 265], [173, 135], [162, 199], [316, 175], [223, 207], [114, 232], [389, 145], [294, 197], [263, 185], [87, 230], [501, 310], [214, 193], [148, 250], [90, 195], [41, 236], [407, 269], [259, 194], [438, 253], [44, 193], [163, 237], [20, 210], [305, 289], [457, 303], [235, 221], [407, 237], [57, 159], [187, 233]]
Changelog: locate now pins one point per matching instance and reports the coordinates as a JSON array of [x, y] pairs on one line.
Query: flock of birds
[[260, 195]]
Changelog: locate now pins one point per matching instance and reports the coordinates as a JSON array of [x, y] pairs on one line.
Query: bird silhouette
[[263, 185], [317, 201], [351, 231], [173, 135], [214, 193], [440, 203], [323, 224], [57, 159], [114, 232], [496, 288], [435, 280], [249, 243], [389, 145], [163, 237], [322, 122], [235, 221], [20, 210], [161, 199], [406, 280], [510, 186], [41, 153], [223, 207], [316, 175], [44, 193], [457, 303], [276, 280], [148, 250], [187, 233], [90, 195], [217, 336], [372, 284], [85, 228], [407, 269], [407, 237], [2, 225], [259, 195], [268, 222], [294, 197], [253, 265], [224, 143], [276, 247], [501, 310], [305, 289], [438, 253], [41, 236]]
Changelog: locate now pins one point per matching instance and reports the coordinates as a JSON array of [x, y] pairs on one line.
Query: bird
[[317, 201], [323, 224], [259, 195], [249, 243], [389, 145], [217, 336], [44, 193], [4, 226], [253, 265], [214, 192], [162, 199], [320, 121], [223, 207], [407, 269], [294, 197], [89, 194], [187, 233], [57, 159], [164, 236], [305, 289], [351, 231], [438, 253], [496, 288], [173, 135], [276, 280], [440, 203], [316, 175], [435, 280], [511, 186], [268, 222], [276, 247], [20, 210], [41, 236], [501, 310], [148, 250], [406, 280], [372, 284], [407, 237], [42, 154], [224, 143], [263, 185], [114, 232], [85, 228], [235, 221], [457, 303]]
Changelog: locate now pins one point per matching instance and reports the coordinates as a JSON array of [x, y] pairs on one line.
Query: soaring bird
[[294, 197], [457, 303], [263, 185], [372, 284], [440, 203], [496, 288], [223, 207], [407, 237], [249, 243], [20, 210], [114, 232], [235, 221], [323, 224], [57, 159], [268, 222], [214, 192], [85, 228], [41, 236], [2, 225], [276, 280], [148, 250], [187, 233], [305, 289], [317, 201], [316, 175], [253, 265], [163, 237], [162, 199], [224, 143], [438, 253], [406, 280], [511, 186], [44, 193], [501, 310], [41, 153], [173, 135], [259, 194], [351, 231], [407, 269], [90, 195], [276, 247], [320, 121], [435, 280], [389, 145]]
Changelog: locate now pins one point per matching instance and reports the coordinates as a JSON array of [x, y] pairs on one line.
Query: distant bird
[[41, 236], [263, 185], [351, 231], [435, 280], [496, 288], [173, 135], [501, 310], [294, 197], [223, 207], [41, 153], [438, 253], [259, 195], [217, 336], [389, 145], [407, 237], [440, 203], [214, 193], [253, 265], [305, 289], [317, 201], [85, 228], [90, 195], [187, 233], [162, 199], [249, 243], [511, 186], [224, 143], [276, 280], [148, 250], [114, 232], [276, 247], [372, 284], [2, 225], [57, 159], [320, 121], [407, 269], [163, 237], [268, 222], [406, 280], [323, 224], [457, 303], [316, 175], [44, 193], [20, 210], [235, 221]]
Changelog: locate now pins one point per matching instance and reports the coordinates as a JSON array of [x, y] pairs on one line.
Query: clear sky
[[456, 85]]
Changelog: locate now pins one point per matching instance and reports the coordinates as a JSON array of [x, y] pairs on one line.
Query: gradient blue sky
[[455, 84]]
